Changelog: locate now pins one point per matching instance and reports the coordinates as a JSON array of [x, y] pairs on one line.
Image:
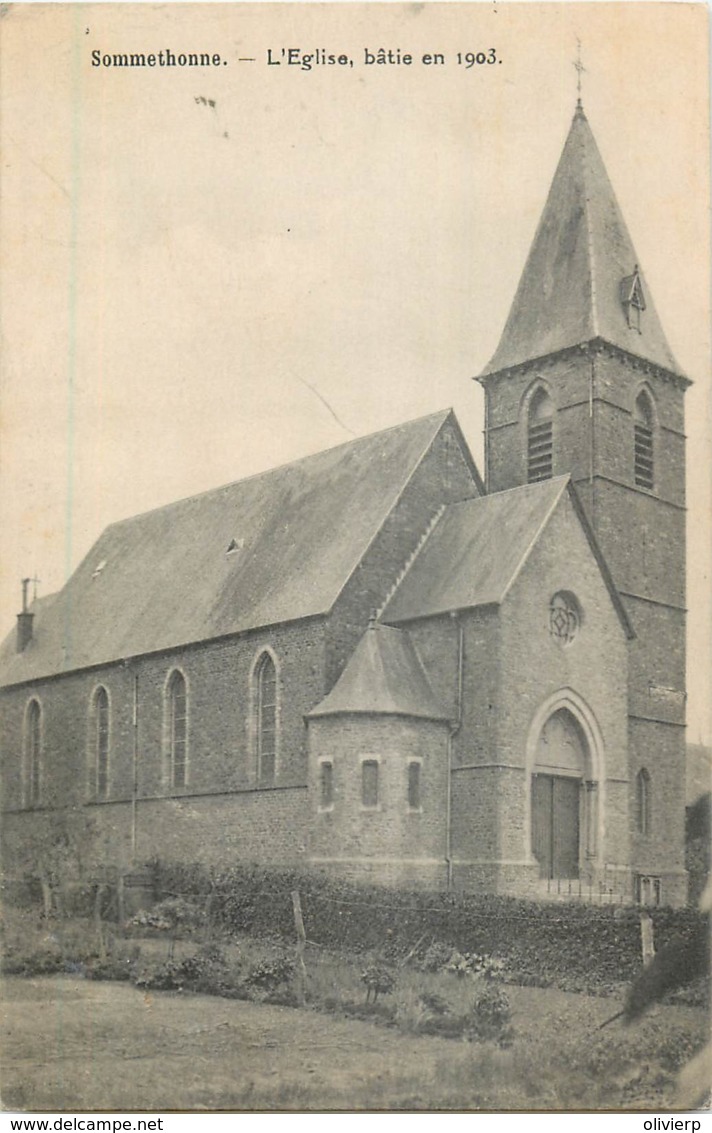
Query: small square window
[[326, 785], [369, 783]]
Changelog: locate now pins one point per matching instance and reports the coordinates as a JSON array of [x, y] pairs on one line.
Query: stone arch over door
[[564, 812]]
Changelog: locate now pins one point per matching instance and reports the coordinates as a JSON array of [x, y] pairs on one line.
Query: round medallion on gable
[[564, 617]]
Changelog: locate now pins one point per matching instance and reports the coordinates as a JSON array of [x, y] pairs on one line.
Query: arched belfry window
[[177, 729], [33, 753], [643, 425], [642, 801], [100, 742], [540, 437], [266, 718]]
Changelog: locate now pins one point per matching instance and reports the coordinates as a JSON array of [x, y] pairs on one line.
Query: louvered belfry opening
[[643, 441], [540, 438]]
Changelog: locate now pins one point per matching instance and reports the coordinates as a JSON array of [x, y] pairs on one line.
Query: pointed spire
[[581, 260]]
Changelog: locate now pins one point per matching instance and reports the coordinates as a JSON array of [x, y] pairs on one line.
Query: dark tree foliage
[[677, 964]]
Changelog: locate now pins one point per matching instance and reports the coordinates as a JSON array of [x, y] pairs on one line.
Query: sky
[[192, 293]]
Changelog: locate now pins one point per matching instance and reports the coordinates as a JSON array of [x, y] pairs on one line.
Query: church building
[[376, 663]]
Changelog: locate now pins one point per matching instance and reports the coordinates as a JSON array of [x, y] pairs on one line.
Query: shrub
[[377, 979], [39, 962], [270, 974], [435, 1003], [114, 968], [489, 1018], [166, 977], [175, 914], [437, 956], [206, 971]]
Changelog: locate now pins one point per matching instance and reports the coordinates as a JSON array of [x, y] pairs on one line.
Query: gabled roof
[[384, 676], [570, 289], [478, 547], [165, 578]]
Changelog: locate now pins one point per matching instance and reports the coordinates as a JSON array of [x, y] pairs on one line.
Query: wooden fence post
[[98, 925], [120, 899], [301, 942], [646, 938]]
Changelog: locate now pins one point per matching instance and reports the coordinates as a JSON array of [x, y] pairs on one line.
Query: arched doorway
[[559, 818]]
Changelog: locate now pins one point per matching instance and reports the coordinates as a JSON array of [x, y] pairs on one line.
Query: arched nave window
[[177, 729], [100, 741], [33, 753], [266, 718]]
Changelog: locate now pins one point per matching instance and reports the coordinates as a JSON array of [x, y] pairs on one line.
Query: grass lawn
[[74, 1044]]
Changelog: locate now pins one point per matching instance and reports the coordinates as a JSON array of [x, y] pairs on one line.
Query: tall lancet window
[[177, 729], [33, 753], [540, 438], [266, 718], [643, 458], [100, 723], [642, 801]]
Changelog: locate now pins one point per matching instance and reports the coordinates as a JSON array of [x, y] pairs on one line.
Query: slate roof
[[166, 579], [385, 676], [478, 547], [570, 289]]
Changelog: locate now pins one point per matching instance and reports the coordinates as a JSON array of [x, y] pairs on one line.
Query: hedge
[[576, 947]]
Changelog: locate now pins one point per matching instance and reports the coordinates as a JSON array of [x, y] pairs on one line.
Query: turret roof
[[384, 676]]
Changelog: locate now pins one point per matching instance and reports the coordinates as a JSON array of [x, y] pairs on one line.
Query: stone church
[[371, 661]]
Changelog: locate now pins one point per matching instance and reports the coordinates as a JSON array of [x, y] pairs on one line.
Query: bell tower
[[583, 382]]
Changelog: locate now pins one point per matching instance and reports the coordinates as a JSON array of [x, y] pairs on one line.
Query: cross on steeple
[[579, 68]]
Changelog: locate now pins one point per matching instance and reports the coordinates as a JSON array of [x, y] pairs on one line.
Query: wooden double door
[[556, 804]]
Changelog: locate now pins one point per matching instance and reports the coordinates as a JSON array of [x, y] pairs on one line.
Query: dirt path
[[77, 1045]]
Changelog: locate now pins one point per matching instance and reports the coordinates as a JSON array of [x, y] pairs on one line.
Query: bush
[[113, 968], [166, 977], [377, 979], [270, 974], [489, 1018], [175, 914], [437, 956], [206, 971], [434, 1003], [39, 962]]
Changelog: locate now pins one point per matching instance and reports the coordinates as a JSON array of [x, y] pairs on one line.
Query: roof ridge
[[535, 484], [585, 173], [564, 483], [478, 546], [442, 413], [413, 555]]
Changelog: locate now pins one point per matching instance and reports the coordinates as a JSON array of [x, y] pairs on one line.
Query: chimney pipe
[[24, 620]]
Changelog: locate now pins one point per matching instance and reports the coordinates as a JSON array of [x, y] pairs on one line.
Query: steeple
[[581, 281]]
